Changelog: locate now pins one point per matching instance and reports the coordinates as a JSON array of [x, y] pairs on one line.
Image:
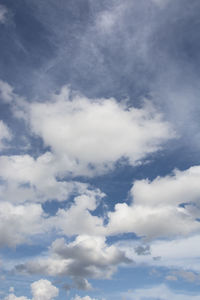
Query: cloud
[[179, 255], [3, 13], [66, 219], [19, 222], [36, 180], [160, 292], [188, 276], [85, 257], [13, 297], [5, 134], [143, 250], [174, 197], [6, 92], [83, 298], [77, 129], [41, 290], [82, 284]]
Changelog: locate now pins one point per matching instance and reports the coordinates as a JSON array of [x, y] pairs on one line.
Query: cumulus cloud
[[41, 290], [19, 222], [78, 129], [27, 179], [85, 257], [66, 219], [174, 197]]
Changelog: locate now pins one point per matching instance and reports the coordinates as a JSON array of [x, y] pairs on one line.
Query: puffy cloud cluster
[[85, 257], [21, 221], [174, 197], [41, 290]]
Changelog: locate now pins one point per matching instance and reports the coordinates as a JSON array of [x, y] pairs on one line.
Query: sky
[[99, 150]]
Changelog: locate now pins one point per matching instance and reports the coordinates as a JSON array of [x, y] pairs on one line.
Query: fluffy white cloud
[[179, 187], [5, 134], [90, 136], [18, 222], [41, 290], [155, 203], [85, 257], [28, 179], [66, 219], [160, 292]]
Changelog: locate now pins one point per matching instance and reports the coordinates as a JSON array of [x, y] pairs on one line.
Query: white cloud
[[44, 290], [155, 203], [6, 90], [90, 136], [179, 187], [3, 13], [28, 179], [160, 292], [66, 219], [41, 290], [17, 223], [5, 134]]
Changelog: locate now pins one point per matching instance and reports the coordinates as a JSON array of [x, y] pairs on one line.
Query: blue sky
[[99, 150]]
